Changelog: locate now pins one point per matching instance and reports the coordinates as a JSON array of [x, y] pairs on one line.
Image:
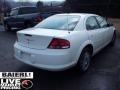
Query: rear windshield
[[59, 22]]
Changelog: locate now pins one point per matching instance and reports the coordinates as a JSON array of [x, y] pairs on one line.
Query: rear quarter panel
[[78, 40]]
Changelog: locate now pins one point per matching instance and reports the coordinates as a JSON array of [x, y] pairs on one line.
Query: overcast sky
[[39, 0]]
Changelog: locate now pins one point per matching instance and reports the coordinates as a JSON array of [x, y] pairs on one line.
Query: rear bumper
[[51, 60]]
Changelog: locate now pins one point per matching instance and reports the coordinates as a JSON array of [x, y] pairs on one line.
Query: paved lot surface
[[1, 28], [103, 74]]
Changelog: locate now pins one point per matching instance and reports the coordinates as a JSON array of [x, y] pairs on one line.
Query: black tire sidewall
[[81, 60], [7, 27]]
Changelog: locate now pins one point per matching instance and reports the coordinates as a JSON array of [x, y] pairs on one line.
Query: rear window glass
[[59, 22]]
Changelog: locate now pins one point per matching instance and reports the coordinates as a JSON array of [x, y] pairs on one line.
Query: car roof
[[24, 7], [79, 14]]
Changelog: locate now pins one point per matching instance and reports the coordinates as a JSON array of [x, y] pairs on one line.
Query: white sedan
[[64, 40]]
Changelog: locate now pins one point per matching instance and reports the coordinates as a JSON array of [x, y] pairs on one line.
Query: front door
[[96, 34]]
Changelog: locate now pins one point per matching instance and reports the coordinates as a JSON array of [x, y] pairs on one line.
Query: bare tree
[[102, 7], [40, 5]]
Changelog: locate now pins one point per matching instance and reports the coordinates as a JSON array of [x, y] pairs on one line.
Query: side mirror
[[109, 24]]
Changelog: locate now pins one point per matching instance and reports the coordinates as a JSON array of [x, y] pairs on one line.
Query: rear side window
[[14, 12], [102, 22], [91, 23], [28, 10]]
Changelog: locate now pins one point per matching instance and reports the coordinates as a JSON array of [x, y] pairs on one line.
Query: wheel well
[[114, 33], [89, 48]]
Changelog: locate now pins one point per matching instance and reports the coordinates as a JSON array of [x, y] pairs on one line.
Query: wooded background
[[110, 8]]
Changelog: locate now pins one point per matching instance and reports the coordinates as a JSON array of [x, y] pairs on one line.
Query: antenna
[[67, 22]]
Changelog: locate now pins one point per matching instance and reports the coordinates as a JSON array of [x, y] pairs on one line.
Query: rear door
[[96, 34], [104, 26]]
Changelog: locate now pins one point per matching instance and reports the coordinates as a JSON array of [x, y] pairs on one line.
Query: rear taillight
[[39, 19], [57, 43]]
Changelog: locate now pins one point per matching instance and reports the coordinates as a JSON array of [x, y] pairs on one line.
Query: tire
[[112, 43], [7, 27], [84, 61]]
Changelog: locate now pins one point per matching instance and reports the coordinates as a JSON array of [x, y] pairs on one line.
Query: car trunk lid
[[37, 38]]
